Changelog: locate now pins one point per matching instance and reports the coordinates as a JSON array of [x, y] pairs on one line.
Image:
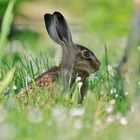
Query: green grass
[[5, 26], [50, 115], [109, 111]]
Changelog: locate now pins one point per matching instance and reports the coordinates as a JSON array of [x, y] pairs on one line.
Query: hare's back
[[44, 80]]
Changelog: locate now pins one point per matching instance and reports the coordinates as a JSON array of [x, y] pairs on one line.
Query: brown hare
[[76, 60]]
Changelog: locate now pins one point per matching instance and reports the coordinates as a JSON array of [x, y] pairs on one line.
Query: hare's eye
[[86, 54]]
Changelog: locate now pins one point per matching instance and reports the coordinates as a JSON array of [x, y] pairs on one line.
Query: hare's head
[[75, 56]]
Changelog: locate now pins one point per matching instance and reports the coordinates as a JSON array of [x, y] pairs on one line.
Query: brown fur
[[73, 62]]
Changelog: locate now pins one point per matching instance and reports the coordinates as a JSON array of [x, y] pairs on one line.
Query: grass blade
[[7, 80], [7, 20]]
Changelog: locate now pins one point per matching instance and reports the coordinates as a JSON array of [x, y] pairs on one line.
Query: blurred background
[[93, 23]]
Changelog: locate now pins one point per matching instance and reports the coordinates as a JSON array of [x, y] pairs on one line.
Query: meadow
[[111, 108]]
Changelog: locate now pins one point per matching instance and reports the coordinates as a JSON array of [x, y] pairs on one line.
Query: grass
[[7, 20], [42, 115], [109, 111]]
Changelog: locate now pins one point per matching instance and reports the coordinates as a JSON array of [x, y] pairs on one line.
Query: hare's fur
[[76, 60]]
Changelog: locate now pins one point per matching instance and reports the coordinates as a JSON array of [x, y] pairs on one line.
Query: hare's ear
[[62, 28], [50, 26]]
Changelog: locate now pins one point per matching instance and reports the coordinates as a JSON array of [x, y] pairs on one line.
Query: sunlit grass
[[58, 112]]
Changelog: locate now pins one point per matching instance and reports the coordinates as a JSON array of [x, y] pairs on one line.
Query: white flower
[[80, 84], [109, 108], [112, 91], [59, 114], [7, 131], [110, 118], [116, 95], [34, 115], [77, 111], [101, 92], [126, 93], [78, 79], [109, 67], [14, 87], [123, 121], [78, 124]]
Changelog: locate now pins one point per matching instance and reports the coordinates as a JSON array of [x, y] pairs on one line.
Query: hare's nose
[[96, 65]]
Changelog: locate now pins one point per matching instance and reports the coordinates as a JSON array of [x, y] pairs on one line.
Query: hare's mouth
[[87, 68]]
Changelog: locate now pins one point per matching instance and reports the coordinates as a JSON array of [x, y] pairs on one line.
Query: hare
[[76, 60]]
